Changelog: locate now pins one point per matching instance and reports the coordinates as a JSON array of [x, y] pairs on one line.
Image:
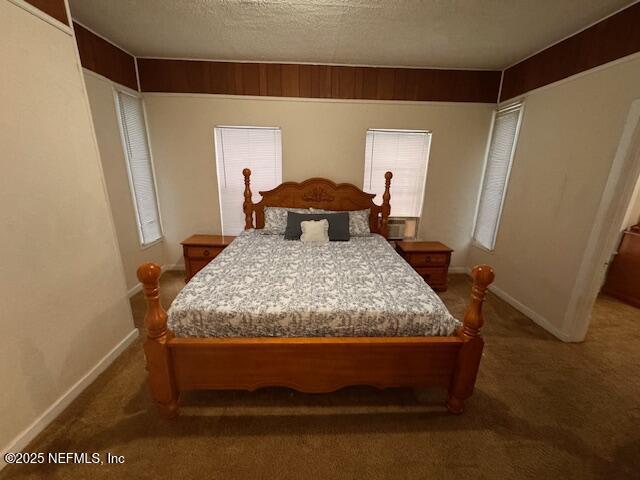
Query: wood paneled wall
[[608, 40], [104, 58], [317, 81], [54, 8]]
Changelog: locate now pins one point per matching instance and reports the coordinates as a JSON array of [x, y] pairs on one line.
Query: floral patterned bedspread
[[265, 286]]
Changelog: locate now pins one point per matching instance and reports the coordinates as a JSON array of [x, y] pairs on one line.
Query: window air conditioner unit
[[402, 228]]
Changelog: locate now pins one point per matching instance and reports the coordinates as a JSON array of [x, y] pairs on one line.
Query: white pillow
[[315, 231]]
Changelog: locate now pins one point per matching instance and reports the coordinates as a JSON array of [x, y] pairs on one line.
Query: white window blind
[[142, 182], [257, 148], [405, 153], [496, 175]]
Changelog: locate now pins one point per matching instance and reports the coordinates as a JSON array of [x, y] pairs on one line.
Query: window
[[140, 169], [405, 153], [504, 136], [257, 148]]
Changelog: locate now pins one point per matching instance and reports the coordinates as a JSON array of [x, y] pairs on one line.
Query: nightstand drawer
[[200, 249], [195, 265], [435, 277], [203, 252], [427, 259]]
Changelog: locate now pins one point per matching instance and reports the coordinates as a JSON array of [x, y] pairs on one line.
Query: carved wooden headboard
[[318, 193]]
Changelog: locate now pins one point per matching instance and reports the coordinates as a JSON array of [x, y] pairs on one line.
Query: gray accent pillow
[[275, 219], [358, 221], [338, 225]]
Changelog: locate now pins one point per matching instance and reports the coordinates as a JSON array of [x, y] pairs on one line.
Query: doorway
[[605, 235], [623, 276]]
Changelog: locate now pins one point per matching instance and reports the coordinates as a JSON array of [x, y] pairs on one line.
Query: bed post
[[161, 380], [246, 206], [386, 206], [464, 376]]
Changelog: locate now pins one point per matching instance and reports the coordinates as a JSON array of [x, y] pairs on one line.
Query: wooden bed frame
[[311, 364]]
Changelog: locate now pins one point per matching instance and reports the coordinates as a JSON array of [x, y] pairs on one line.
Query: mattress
[[266, 286]]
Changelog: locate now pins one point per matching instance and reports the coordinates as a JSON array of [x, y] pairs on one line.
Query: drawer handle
[[427, 259], [206, 253]]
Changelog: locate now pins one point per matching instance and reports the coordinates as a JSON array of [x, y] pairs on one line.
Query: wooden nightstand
[[429, 259], [199, 250]]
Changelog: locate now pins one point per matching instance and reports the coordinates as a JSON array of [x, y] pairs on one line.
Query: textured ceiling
[[485, 34]]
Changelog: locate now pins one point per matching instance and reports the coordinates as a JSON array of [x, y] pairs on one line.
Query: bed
[[315, 318]]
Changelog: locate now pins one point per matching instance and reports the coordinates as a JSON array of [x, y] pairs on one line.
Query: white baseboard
[[173, 267], [132, 291], [522, 308], [458, 270], [533, 315], [28, 434], [165, 268]]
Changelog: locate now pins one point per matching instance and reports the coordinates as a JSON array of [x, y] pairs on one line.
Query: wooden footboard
[[310, 364]]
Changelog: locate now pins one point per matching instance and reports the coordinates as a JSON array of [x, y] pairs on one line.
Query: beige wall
[[320, 138], [103, 110], [568, 139], [64, 304]]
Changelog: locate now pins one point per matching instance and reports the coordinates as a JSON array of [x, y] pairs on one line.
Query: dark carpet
[[542, 409]]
